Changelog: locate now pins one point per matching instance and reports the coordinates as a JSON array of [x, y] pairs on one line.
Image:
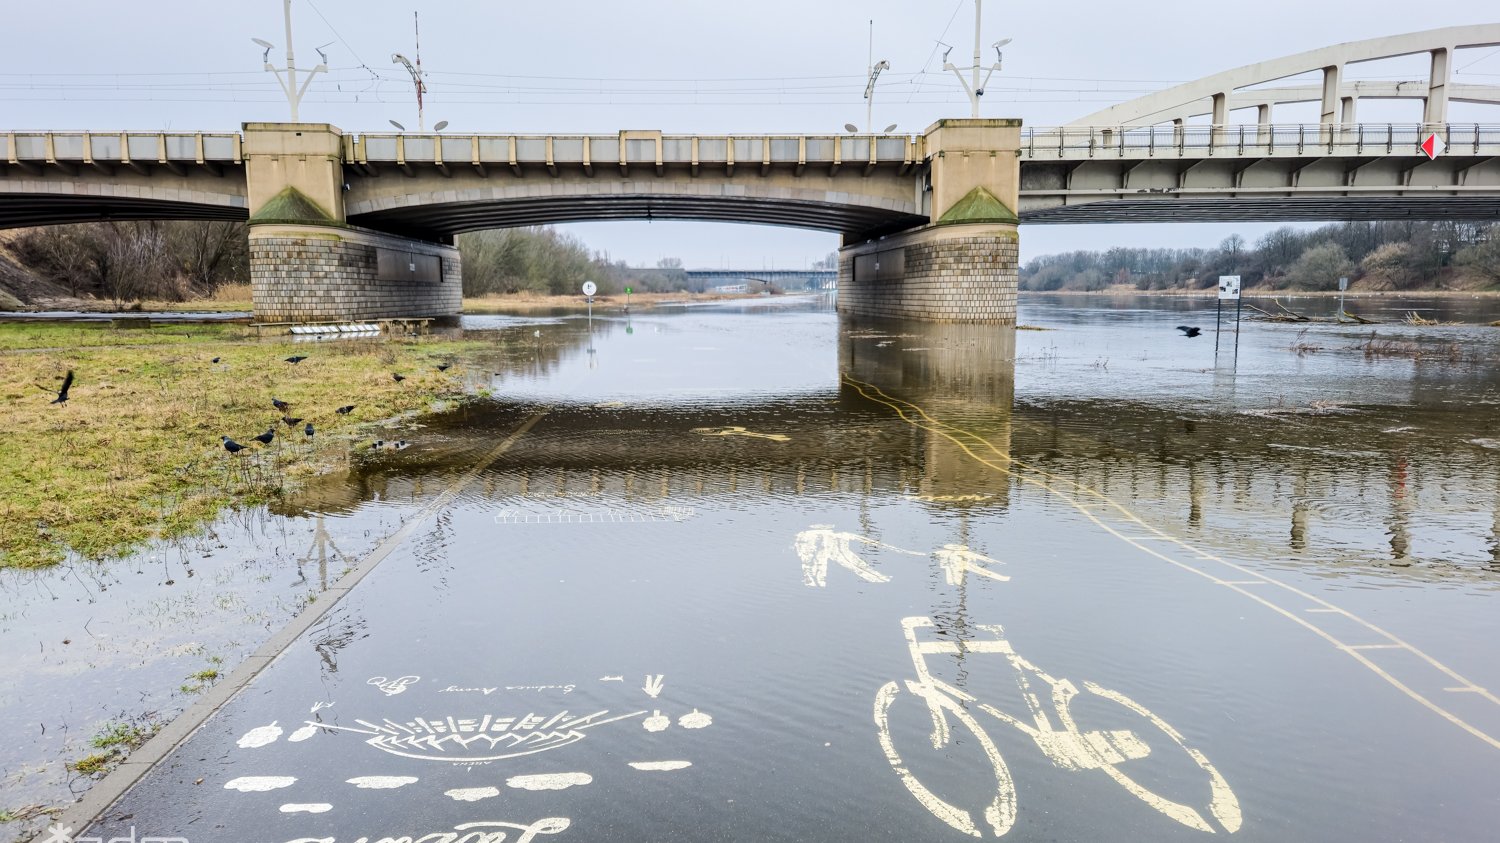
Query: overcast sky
[[686, 66]]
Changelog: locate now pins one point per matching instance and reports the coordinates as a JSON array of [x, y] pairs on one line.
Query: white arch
[[1186, 100]]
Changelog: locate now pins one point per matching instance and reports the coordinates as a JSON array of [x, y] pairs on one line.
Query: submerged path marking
[[1101, 506]]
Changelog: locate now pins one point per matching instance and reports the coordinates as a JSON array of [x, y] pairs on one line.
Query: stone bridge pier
[[962, 265], [307, 263]]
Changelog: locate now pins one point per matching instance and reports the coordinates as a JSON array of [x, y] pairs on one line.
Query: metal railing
[[1072, 143]]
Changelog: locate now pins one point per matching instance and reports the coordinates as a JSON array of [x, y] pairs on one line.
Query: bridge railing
[[1276, 140], [632, 148], [19, 148]]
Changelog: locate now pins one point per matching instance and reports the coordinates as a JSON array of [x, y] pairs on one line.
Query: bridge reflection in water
[[1272, 491]]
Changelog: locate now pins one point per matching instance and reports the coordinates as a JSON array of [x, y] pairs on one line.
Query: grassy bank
[[135, 452]]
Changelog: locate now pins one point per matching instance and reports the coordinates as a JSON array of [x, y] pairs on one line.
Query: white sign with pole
[[590, 288], [1229, 286]]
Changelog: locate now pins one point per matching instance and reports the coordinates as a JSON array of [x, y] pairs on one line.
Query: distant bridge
[[812, 279]]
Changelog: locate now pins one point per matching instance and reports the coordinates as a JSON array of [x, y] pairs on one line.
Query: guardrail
[[1072, 143], [124, 148]]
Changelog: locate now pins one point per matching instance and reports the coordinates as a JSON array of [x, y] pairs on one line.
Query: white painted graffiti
[[820, 546], [259, 784], [487, 831], [549, 781], [661, 766], [653, 685], [453, 689], [1051, 727], [381, 782], [392, 687], [566, 689], [475, 739], [259, 736]]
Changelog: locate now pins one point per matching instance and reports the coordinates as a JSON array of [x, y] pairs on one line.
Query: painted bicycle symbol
[[1052, 727]]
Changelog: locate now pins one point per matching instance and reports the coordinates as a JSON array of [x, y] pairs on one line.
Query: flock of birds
[[283, 407]]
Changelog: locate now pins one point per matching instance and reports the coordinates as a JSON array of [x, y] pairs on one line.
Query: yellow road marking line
[[943, 429]]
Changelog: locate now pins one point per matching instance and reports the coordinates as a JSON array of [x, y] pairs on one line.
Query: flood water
[[748, 573]]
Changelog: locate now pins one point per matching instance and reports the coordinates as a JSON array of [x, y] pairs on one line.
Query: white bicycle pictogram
[[1051, 727]]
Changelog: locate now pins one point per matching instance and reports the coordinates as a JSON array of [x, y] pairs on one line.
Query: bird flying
[[1189, 332], [296, 359], [62, 394]]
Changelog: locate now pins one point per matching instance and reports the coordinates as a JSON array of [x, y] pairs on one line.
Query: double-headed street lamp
[[288, 83], [975, 89]]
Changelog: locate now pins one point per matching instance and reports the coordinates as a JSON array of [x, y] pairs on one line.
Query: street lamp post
[[289, 83], [975, 88]]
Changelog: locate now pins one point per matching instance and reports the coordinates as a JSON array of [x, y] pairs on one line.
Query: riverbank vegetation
[[135, 454], [1374, 256]]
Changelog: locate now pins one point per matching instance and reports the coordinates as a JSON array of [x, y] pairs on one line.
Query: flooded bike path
[[747, 597]]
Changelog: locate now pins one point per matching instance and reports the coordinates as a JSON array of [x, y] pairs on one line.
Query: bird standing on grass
[[1189, 332], [265, 438], [290, 422], [397, 377], [230, 445], [308, 430], [296, 359], [345, 410], [443, 367], [279, 404]]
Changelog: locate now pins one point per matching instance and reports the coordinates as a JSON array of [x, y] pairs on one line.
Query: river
[[743, 572]]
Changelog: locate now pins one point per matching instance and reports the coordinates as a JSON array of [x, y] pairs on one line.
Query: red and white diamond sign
[[1433, 146]]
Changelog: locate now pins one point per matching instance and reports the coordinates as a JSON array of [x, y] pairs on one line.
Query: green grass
[[135, 453]]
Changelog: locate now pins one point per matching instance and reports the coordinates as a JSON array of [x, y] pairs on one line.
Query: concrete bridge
[[350, 226]]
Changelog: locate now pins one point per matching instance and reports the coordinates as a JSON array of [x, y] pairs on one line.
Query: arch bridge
[[361, 226]]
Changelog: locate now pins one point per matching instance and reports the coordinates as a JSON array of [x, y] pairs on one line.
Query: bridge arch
[[1219, 91], [428, 207], [48, 200]]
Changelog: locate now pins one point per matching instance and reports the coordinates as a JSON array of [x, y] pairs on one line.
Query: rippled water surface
[[748, 573]]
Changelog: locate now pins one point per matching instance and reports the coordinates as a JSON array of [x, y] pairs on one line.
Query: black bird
[[397, 377], [279, 404], [1189, 332], [62, 394], [443, 367], [297, 359], [215, 360], [346, 410], [308, 430], [230, 445], [265, 438], [290, 422]]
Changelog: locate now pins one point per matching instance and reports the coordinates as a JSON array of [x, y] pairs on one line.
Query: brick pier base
[[312, 273], [941, 273]]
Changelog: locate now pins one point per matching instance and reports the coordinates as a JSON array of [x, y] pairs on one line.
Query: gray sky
[[767, 66]]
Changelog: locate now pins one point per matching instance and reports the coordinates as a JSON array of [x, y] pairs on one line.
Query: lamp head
[[888, 129], [851, 128], [322, 55], [397, 125], [440, 125]]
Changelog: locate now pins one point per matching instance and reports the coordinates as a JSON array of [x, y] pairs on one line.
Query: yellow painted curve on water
[[1090, 501]]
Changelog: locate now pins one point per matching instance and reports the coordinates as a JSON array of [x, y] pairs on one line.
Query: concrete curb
[[85, 812]]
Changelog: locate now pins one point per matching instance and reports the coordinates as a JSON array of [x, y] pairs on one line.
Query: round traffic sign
[[590, 288]]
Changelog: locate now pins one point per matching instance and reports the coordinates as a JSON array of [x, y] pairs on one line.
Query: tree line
[[1372, 255], [129, 261]]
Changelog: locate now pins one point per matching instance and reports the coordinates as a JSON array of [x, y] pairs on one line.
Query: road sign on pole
[[590, 288], [1432, 146], [1229, 286], [1229, 289]]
